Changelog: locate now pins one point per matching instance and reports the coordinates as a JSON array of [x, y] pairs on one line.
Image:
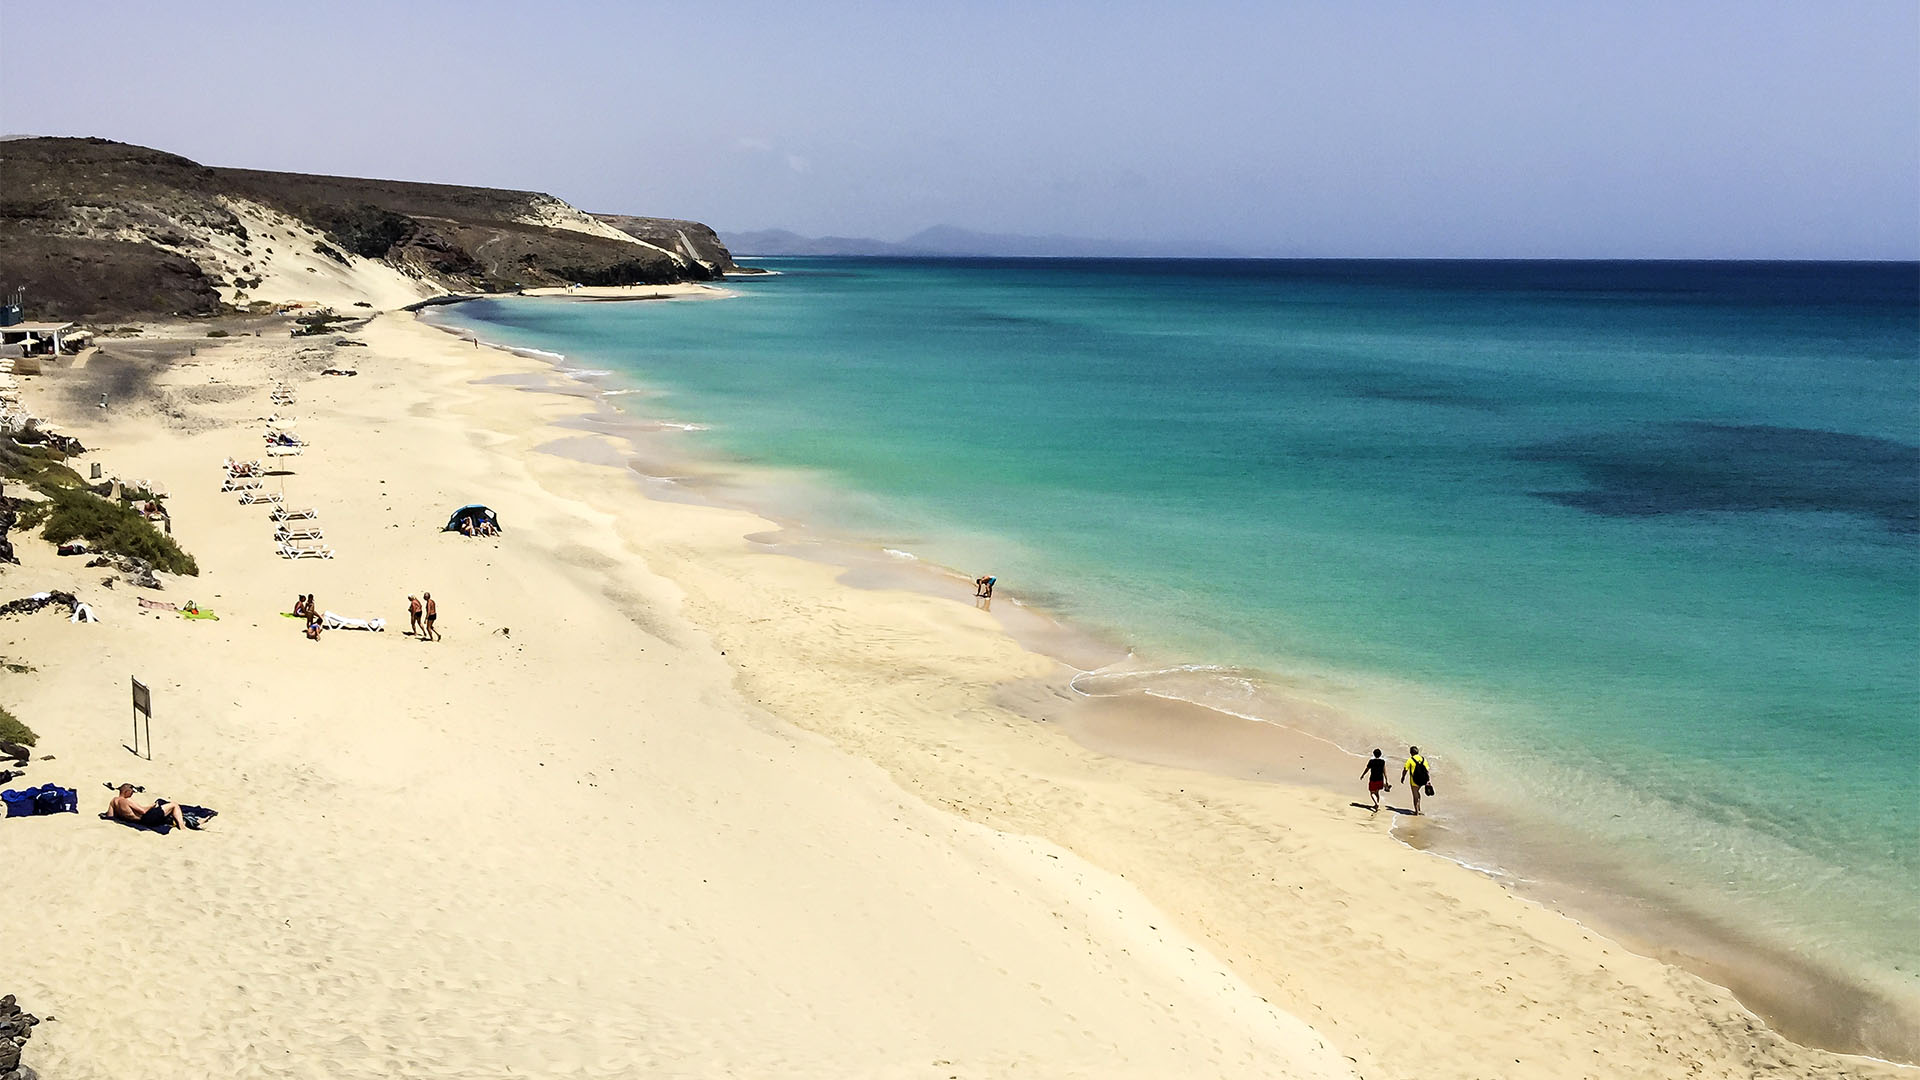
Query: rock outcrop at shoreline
[[98, 230], [688, 238]]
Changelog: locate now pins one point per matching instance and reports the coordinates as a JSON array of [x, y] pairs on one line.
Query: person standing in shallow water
[[1416, 774], [1375, 771]]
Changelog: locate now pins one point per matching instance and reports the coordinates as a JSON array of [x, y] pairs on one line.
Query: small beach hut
[[474, 513]]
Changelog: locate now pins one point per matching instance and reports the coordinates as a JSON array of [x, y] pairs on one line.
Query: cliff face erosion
[[98, 230]]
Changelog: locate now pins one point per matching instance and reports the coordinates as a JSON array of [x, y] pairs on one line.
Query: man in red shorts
[[1376, 774]]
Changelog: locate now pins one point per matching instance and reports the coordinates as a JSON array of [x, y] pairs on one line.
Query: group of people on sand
[[468, 527], [305, 608], [422, 613], [1413, 771]]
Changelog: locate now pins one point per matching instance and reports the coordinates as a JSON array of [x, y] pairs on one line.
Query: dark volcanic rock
[[16, 1027], [71, 277]]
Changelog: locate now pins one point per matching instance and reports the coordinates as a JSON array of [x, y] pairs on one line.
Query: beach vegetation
[[323, 322], [216, 333], [13, 731], [114, 528], [69, 510]]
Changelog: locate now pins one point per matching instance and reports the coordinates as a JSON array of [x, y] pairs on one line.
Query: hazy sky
[[1667, 129]]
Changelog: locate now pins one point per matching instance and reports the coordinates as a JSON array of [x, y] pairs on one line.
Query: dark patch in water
[[1423, 394], [1692, 467]]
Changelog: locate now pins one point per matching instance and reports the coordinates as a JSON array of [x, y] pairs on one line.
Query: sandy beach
[[669, 802]]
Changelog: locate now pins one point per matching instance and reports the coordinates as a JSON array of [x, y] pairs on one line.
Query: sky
[[1342, 129]]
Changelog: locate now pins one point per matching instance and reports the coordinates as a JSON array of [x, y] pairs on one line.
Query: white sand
[[663, 804]]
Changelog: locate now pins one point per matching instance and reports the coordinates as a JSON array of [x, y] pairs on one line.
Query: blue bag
[[19, 803], [54, 799], [45, 799]]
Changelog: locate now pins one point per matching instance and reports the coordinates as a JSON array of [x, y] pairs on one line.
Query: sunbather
[[314, 626], [160, 812]]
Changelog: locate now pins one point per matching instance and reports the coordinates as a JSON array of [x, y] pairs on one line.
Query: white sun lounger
[[290, 550], [240, 468], [241, 483], [285, 451], [253, 498], [341, 622], [298, 532], [281, 513]]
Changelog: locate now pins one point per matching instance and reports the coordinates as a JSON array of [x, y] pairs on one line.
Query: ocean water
[[1636, 546]]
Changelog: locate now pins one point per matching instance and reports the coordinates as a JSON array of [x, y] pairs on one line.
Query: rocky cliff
[[688, 238], [98, 230]]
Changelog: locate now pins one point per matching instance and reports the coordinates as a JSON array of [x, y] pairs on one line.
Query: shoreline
[[800, 740], [1806, 1000]]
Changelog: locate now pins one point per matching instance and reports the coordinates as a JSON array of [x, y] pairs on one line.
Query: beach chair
[[340, 622], [285, 451], [298, 532], [281, 513], [258, 498], [240, 483], [290, 550], [241, 468]]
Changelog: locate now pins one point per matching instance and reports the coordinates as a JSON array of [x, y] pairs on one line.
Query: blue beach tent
[[475, 513]]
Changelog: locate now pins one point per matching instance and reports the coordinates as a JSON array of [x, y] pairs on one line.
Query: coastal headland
[[669, 801]]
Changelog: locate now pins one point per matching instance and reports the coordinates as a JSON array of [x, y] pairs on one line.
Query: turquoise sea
[[1634, 546]]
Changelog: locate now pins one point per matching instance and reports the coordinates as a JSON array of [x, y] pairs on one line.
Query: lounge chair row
[[292, 550]]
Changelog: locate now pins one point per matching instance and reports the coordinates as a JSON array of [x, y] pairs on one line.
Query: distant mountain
[[782, 242], [950, 240]]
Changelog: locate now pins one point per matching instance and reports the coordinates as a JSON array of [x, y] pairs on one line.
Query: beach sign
[[142, 707]]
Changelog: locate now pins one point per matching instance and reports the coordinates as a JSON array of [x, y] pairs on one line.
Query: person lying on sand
[[161, 812], [314, 625]]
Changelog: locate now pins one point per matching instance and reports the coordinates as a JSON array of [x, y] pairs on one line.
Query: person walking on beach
[[1415, 772], [433, 612], [1376, 773], [413, 615]]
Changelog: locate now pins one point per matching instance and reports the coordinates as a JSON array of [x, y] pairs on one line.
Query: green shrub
[[216, 333], [39, 467], [12, 730], [113, 528]]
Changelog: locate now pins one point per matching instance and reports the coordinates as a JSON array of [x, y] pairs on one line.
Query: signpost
[[142, 706]]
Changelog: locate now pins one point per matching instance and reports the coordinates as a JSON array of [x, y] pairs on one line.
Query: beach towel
[[201, 614]]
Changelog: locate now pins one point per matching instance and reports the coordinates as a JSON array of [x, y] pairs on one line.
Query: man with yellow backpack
[[1416, 773]]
